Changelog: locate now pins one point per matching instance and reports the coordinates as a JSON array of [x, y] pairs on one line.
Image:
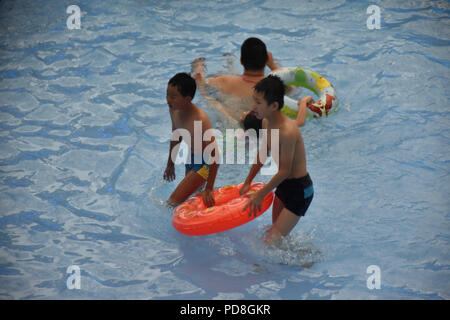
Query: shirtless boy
[[294, 191], [184, 114]]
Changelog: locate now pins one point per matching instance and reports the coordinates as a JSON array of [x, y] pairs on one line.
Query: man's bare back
[[241, 86]]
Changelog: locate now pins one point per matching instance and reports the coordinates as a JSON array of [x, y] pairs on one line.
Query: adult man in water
[[254, 59]]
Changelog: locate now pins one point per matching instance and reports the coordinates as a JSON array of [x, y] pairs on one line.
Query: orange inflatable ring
[[194, 219]]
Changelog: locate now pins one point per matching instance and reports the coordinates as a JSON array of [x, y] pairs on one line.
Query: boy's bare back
[[289, 138]]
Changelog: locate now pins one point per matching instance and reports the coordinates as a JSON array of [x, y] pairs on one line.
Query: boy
[[187, 116], [294, 191], [254, 59]]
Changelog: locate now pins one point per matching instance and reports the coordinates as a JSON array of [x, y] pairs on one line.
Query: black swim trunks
[[296, 194]]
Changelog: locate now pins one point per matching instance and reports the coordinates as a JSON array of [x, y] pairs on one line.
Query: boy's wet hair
[[184, 83], [273, 90], [252, 122], [253, 54]]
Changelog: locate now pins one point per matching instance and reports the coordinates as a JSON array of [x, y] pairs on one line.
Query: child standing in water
[[187, 119], [294, 188]]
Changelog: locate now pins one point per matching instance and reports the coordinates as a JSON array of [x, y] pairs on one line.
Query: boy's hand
[[208, 198], [169, 173], [255, 203], [306, 100], [244, 189], [302, 107]]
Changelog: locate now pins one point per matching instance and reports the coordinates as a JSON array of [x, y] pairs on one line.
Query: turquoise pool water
[[84, 138]]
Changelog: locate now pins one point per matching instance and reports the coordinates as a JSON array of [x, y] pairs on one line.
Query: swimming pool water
[[84, 139]]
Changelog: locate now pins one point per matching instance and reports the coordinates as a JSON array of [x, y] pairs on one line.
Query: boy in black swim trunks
[[294, 191]]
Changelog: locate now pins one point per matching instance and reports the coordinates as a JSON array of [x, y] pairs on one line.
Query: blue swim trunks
[[201, 168]]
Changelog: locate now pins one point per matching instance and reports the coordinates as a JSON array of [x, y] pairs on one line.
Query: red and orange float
[[194, 219]]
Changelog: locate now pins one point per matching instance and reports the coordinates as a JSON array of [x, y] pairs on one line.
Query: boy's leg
[[276, 209], [285, 222], [191, 182]]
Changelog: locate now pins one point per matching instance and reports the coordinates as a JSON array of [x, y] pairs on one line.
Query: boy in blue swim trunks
[[189, 122], [294, 191]]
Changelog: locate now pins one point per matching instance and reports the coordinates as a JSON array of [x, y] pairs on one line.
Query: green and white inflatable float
[[300, 77]]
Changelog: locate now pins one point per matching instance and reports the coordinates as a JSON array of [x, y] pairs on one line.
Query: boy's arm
[[207, 194], [252, 174], [173, 143], [213, 168], [285, 165], [174, 146], [261, 158], [301, 115], [169, 173]]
